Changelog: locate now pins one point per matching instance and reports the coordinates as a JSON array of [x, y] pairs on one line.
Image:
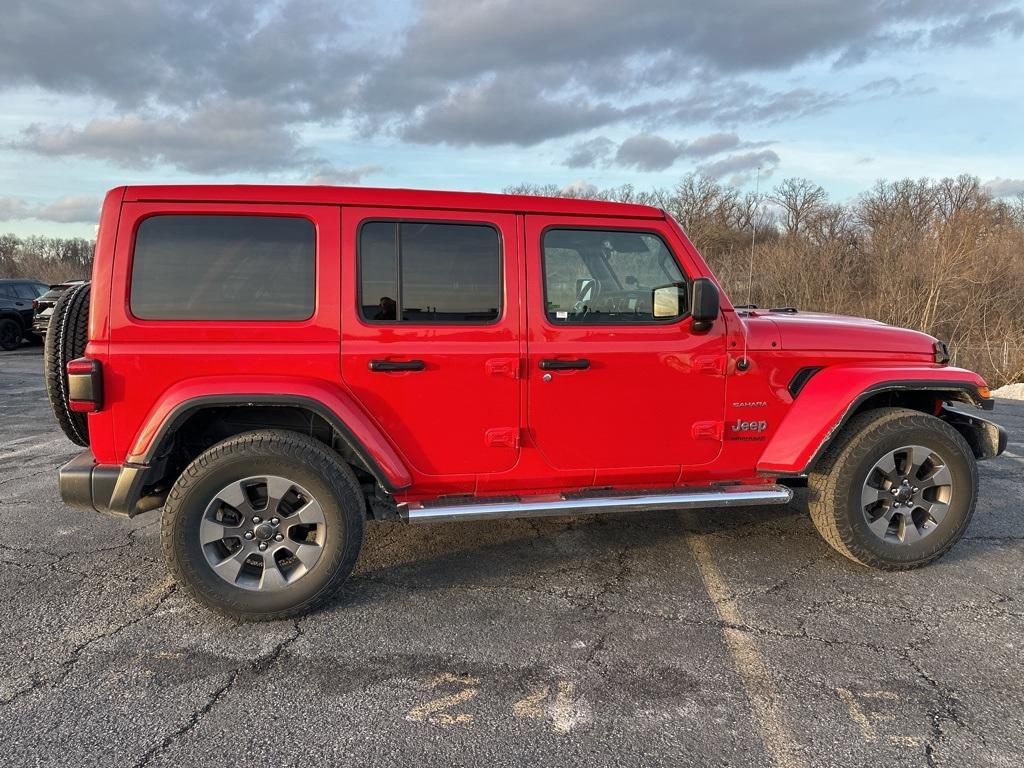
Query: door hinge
[[503, 366], [502, 437], [710, 364], [708, 430]]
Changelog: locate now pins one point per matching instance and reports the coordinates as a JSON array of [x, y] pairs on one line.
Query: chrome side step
[[560, 504]]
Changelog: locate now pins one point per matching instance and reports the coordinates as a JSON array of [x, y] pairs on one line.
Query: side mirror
[[704, 304], [668, 301]]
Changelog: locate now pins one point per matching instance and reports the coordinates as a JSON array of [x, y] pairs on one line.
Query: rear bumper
[[111, 488]]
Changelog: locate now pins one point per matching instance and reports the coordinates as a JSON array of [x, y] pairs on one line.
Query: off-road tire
[[66, 337], [277, 452], [10, 334], [835, 485]]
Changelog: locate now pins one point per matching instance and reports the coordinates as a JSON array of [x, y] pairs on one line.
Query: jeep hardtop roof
[[390, 198]]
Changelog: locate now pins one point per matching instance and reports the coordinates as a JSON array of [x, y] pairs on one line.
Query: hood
[[819, 331]]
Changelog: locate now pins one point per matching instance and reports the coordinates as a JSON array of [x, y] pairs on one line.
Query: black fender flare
[[181, 412]]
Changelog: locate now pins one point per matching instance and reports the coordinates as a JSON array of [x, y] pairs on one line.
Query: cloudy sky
[[480, 94]]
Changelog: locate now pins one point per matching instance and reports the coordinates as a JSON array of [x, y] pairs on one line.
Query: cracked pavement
[[597, 640]]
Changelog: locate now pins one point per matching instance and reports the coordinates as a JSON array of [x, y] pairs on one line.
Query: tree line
[[50, 259], [941, 256]]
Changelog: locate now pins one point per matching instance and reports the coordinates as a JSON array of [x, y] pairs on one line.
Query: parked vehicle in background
[[275, 365], [43, 306], [16, 297]]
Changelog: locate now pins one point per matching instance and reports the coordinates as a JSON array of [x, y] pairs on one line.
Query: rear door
[[610, 386], [23, 294], [430, 333], [218, 289]]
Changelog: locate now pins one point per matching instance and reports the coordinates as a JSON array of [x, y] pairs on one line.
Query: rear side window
[[29, 290], [427, 272], [223, 268]]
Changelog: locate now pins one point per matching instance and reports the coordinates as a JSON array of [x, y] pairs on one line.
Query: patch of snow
[[1010, 392]]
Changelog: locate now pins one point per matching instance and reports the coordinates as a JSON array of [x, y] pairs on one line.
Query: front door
[[611, 386], [430, 333]]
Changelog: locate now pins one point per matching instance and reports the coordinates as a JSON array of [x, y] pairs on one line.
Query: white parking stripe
[[749, 661]]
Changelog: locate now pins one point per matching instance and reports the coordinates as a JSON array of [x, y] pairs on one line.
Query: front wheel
[[10, 334], [264, 525], [896, 491]]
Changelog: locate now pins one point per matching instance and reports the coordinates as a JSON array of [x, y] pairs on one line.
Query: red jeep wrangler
[[274, 365]]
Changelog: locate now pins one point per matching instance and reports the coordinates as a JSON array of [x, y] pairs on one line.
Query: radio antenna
[[753, 234], [743, 363]]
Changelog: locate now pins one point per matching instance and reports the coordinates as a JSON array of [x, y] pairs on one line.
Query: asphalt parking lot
[[725, 638]]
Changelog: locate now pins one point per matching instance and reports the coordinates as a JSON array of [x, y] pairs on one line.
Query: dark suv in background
[[45, 303], [16, 310]]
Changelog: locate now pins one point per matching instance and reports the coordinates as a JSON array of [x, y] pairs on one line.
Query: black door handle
[[565, 365], [397, 365]]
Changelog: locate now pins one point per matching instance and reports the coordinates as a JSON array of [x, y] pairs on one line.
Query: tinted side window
[[378, 270], [425, 272], [223, 268], [26, 290], [7, 291], [606, 276]]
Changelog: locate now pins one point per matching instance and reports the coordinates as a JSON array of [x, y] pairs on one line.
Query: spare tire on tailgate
[[66, 337]]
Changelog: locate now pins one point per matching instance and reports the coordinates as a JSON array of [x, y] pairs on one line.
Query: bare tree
[[50, 259], [800, 200]]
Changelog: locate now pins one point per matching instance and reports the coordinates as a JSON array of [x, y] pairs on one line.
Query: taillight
[[35, 304], [85, 385]]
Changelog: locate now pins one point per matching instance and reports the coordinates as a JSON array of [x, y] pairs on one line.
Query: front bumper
[[986, 438], [111, 488]]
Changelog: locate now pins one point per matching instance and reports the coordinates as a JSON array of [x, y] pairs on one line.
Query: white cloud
[[329, 175], [215, 87], [1000, 187], [12, 208], [741, 168], [221, 136], [71, 209]]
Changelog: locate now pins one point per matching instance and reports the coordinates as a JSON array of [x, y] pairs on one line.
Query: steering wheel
[[624, 301]]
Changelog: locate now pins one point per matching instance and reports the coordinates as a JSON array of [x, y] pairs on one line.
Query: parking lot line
[[749, 662], [857, 714]]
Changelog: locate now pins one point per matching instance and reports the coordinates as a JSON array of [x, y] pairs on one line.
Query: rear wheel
[[264, 525], [10, 334], [896, 491], [66, 337]]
